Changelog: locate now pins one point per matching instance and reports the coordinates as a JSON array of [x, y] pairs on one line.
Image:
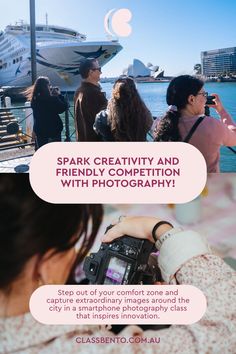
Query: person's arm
[[225, 129], [223, 114], [215, 332], [223, 133], [103, 100], [99, 102], [185, 258], [59, 104]]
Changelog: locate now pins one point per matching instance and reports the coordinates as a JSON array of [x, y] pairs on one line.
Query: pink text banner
[[118, 172]]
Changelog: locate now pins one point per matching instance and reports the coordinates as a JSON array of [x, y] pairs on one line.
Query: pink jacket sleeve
[[226, 129], [216, 331]]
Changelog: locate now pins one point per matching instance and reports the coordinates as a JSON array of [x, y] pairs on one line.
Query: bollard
[[29, 122], [7, 102]]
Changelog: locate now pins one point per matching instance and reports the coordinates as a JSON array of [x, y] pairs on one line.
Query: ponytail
[[167, 129], [178, 92]]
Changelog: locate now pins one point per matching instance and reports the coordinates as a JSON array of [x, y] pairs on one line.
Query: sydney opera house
[[142, 72]]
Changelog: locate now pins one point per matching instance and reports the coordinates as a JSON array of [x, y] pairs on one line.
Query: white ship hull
[[59, 59]]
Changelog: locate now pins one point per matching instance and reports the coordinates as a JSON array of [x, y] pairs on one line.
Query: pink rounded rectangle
[[118, 172], [121, 304]]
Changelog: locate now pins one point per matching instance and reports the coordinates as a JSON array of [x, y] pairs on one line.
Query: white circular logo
[[116, 22]]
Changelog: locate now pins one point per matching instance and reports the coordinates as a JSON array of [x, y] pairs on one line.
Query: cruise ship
[[59, 51]]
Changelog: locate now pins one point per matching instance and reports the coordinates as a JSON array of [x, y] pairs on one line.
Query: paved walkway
[[16, 160]]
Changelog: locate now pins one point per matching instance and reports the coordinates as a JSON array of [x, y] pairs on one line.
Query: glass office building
[[219, 62]]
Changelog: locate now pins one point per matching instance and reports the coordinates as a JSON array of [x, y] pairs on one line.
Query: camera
[[126, 260], [210, 100], [55, 90]]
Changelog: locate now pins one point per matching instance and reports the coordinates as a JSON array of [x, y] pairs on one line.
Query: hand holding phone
[[215, 102], [210, 100]]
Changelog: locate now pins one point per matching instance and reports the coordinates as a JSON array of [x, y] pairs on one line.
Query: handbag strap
[[192, 130]]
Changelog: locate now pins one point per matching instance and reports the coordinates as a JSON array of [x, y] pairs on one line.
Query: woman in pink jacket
[[187, 99]]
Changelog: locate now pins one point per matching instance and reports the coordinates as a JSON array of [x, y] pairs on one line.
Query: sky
[[168, 33]]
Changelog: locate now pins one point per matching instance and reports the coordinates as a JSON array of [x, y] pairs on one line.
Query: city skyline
[[171, 34]]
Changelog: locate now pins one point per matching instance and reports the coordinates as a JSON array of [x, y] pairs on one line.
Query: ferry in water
[[59, 51]]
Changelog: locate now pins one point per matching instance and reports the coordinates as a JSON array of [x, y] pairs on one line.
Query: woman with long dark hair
[[186, 121], [47, 104], [126, 118], [40, 244]]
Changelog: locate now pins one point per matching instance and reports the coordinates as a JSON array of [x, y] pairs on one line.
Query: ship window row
[[52, 29], [56, 30], [17, 53], [64, 31], [17, 60], [3, 66]]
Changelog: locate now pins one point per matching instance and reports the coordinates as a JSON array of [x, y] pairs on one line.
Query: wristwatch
[[159, 241], [166, 235]]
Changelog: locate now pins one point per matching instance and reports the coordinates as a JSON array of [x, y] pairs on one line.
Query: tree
[[198, 69]]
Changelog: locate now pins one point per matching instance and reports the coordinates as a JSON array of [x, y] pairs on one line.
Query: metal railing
[[18, 122]]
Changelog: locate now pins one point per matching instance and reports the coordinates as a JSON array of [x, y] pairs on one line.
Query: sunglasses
[[205, 94], [99, 69]]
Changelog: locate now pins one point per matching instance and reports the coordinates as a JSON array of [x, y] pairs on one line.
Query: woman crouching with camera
[[38, 242], [47, 103], [186, 121]]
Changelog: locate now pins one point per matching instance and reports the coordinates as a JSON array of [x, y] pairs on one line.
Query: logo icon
[[116, 22]]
